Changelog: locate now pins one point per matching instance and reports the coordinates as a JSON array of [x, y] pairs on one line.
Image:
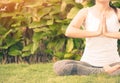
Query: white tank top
[[100, 51]]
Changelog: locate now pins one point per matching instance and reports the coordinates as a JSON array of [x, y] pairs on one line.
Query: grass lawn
[[43, 73]]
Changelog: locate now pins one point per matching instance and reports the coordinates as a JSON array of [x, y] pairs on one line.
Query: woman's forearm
[[77, 33], [115, 35]]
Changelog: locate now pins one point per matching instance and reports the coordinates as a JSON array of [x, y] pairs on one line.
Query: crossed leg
[[72, 67]]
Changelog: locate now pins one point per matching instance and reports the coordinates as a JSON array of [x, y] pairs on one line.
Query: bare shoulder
[[79, 18], [118, 9], [118, 12], [83, 12]]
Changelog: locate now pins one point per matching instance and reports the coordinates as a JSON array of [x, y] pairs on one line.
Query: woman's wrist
[[98, 33]]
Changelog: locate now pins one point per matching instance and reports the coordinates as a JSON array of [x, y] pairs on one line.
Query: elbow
[[67, 34]]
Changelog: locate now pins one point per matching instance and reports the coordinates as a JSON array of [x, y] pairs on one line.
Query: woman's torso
[[100, 51]]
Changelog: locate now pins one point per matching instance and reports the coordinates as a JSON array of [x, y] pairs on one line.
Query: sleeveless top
[[100, 51]]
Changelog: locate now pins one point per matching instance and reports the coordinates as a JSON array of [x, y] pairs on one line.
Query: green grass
[[43, 73]]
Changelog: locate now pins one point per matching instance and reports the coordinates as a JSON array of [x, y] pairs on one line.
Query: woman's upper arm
[[79, 18]]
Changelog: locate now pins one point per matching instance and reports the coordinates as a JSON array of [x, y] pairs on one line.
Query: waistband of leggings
[[97, 66]]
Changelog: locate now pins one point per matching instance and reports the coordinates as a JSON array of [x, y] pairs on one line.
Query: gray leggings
[[72, 67]]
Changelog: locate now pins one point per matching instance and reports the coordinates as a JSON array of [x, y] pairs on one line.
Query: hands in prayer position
[[102, 30], [74, 31]]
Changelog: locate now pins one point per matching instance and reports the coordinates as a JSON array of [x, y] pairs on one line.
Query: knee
[[60, 68]]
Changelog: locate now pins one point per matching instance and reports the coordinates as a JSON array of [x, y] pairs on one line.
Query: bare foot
[[108, 69]]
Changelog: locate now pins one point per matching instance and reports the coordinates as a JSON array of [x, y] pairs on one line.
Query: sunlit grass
[[43, 73]]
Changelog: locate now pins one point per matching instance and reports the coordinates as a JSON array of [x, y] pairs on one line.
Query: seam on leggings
[[96, 67], [74, 69]]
